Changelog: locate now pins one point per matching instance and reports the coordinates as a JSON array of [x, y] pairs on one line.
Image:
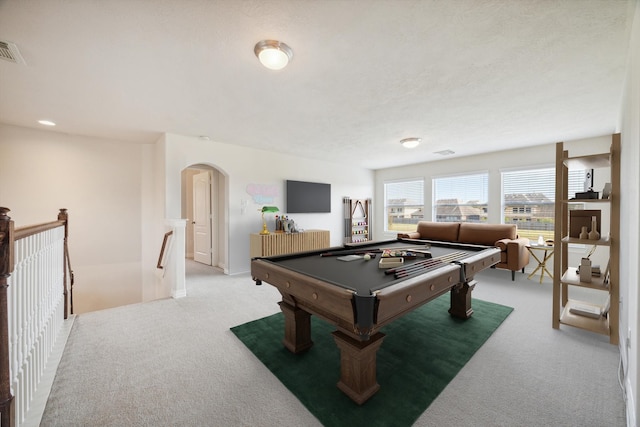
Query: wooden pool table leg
[[297, 328], [358, 366], [461, 300]]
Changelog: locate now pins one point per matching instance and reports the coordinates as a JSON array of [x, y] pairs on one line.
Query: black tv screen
[[308, 197]]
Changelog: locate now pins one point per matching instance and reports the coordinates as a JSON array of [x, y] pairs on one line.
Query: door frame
[[219, 202]]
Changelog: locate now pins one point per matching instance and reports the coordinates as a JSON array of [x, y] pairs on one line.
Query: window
[[528, 199], [461, 198], [403, 204]]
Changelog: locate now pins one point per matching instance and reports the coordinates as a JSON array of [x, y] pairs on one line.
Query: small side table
[[545, 252]]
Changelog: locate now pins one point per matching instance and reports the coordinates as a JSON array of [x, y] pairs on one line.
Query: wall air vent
[[9, 52]]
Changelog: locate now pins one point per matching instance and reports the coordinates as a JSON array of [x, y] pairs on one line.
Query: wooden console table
[[286, 243]]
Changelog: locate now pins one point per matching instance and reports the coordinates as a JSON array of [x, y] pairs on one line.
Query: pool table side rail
[[315, 296], [478, 262], [395, 301]]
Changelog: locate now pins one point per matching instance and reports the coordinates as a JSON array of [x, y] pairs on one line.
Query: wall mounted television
[[308, 197]]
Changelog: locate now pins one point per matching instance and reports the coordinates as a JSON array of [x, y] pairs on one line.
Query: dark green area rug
[[421, 353]]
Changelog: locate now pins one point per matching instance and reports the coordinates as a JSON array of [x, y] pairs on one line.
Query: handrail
[[164, 244], [30, 230], [8, 238]]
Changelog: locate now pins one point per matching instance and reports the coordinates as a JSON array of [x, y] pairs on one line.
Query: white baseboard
[[631, 405]]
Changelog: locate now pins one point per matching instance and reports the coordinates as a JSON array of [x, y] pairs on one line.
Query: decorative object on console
[[264, 221], [593, 234], [285, 225]]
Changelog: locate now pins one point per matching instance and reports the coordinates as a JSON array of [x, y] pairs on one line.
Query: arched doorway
[[204, 206]]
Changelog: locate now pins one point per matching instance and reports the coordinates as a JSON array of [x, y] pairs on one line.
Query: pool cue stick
[[444, 258], [423, 265], [363, 251], [418, 269], [418, 264], [350, 252], [406, 248], [426, 266]]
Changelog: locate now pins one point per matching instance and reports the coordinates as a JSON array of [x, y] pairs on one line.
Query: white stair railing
[[33, 294]]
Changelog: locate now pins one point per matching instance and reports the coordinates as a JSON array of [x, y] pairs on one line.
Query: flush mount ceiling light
[[46, 122], [410, 142], [273, 54]]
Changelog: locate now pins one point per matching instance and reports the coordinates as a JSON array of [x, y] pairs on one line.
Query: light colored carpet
[[176, 363]]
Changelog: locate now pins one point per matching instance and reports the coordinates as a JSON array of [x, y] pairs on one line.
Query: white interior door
[[202, 218]]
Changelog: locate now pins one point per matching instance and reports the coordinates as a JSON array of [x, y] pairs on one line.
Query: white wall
[[104, 185], [630, 224], [245, 166], [119, 195]]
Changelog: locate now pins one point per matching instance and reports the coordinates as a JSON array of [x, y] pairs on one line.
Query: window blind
[[404, 204], [528, 199], [461, 198]]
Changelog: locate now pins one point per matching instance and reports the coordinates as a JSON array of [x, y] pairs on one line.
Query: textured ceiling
[[470, 76]]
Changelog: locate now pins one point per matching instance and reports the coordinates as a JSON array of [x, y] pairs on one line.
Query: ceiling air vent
[[444, 152], [9, 52]]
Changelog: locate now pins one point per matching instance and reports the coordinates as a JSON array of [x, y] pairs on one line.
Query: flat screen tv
[[308, 197]]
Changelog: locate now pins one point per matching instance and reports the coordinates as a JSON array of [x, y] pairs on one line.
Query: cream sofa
[[514, 255]]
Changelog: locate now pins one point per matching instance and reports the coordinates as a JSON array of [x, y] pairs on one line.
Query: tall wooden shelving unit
[[564, 276]]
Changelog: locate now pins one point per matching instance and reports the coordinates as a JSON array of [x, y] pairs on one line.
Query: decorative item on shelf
[[584, 234], [587, 195], [264, 221], [578, 218], [593, 234], [585, 270], [606, 191]]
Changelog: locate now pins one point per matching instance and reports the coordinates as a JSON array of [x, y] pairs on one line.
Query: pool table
[[342, 286]]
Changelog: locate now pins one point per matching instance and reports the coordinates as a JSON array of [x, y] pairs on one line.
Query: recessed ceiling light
[[410, 142], [46, 122], [273, 54]]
